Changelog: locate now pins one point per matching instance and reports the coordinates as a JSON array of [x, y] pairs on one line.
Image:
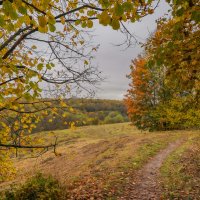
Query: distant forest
[[85, 112]]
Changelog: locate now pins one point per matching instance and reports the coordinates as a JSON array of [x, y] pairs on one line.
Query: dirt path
[[145, 185]]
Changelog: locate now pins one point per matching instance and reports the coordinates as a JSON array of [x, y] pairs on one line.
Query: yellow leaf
[[62, 19], [104, 18], [34, 47], [42, 21], [90, 24], [86, 62]]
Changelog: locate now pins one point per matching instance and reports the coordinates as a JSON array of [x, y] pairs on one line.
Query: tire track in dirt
[[145, 184]]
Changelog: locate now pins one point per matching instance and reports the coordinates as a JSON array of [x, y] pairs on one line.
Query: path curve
[[145, 185]]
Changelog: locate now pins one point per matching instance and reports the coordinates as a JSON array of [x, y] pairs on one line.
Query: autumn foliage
[[164, 91], [137, 100]]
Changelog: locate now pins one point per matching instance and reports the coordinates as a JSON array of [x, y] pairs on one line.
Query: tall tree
[[139, 97], [176, 46], [173, 63]]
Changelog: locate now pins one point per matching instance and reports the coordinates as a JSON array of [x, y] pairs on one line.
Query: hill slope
[[97, 161]]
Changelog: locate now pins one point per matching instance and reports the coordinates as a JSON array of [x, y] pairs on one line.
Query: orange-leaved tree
[[140, 98]]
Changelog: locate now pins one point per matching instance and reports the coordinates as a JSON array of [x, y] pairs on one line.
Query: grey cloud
[[113, 61]]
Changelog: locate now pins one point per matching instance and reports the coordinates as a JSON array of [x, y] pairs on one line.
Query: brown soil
[[145, 184]]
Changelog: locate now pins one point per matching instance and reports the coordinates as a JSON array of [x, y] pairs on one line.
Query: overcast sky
[[114, 61]]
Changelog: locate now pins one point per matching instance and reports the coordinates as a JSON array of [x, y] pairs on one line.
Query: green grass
[[180, 173]]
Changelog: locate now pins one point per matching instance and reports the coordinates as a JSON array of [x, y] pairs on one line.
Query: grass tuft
[[180, 173]]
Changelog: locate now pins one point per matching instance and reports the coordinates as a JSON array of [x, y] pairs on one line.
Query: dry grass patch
[[96, 161]]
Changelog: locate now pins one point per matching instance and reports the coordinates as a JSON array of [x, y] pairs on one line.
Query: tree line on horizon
[[85, 112]]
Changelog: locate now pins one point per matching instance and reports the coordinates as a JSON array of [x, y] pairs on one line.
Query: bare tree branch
[[21, 30]]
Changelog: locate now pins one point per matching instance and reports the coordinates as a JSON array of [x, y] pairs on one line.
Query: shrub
[[38, 187]]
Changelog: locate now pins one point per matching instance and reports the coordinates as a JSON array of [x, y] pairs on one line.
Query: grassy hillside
[[96, 161]]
